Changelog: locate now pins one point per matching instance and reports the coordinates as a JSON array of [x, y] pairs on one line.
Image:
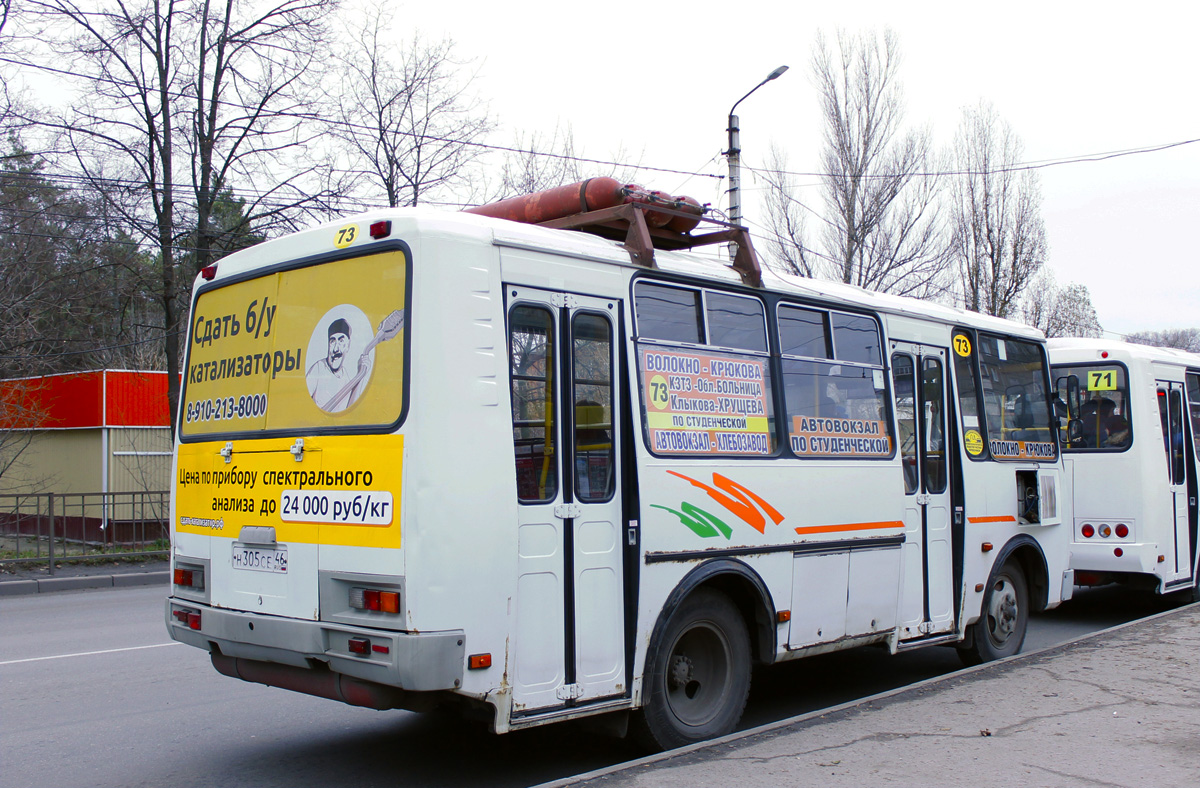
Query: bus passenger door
[[1170, 411], [568, 637], [927, 590]]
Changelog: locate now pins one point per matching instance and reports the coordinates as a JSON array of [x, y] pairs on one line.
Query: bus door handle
[[923, 499]]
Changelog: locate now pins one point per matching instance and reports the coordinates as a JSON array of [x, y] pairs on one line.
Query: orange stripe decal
[[739, 500], [1007, 518], [826, 529]]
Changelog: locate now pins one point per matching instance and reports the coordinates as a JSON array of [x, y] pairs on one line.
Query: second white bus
[[1131, 458]]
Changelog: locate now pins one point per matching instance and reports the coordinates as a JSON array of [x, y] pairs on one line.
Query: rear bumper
[[418, 662], [1136, 557]]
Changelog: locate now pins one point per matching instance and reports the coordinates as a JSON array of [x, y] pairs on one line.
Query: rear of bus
[[288, 560]]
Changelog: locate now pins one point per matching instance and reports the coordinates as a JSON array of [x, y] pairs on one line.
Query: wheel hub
[[1003, 611], [681, 671]]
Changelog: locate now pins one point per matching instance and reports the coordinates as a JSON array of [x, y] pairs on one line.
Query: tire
[[697, 674], [1000, 630]]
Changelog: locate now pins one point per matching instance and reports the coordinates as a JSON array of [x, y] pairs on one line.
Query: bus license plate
[[261, 559]]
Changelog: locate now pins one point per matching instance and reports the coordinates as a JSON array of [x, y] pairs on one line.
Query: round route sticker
[[974, 442], [962, 345]]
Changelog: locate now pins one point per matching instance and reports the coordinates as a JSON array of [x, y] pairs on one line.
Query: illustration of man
[[329, 376]]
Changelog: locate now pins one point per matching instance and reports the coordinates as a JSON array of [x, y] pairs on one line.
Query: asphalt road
[[92, 693]]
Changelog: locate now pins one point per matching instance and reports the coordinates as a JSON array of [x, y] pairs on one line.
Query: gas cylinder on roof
[[593, 194]]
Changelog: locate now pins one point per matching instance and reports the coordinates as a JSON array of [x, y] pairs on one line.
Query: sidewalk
[[1117, 708], [71, 576]]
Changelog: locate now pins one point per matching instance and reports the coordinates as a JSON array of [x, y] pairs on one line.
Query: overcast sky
[[655, 82]]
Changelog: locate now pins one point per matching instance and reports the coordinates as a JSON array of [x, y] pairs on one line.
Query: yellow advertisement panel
[[309, 348], [344, 490]]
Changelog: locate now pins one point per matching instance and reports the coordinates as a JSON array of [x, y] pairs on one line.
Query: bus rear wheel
[[697, 674], [1000, 630]]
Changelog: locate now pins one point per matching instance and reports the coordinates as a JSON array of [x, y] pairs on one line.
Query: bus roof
[[413, 224], [1069, 349]]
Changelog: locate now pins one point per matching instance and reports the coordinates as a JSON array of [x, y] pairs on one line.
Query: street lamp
[[733, 154]]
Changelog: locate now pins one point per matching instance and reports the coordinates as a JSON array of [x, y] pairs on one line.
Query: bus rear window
[[297, 350]]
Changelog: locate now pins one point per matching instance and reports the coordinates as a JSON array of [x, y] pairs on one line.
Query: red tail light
[[193, 620], [360, 646], [189, 578], [375, 599], [1088, 531], [1122, 530]]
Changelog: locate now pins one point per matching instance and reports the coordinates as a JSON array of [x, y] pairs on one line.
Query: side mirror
[[1070, 384]]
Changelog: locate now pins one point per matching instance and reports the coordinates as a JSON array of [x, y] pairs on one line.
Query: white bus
[[432, 458], [1131, 459]]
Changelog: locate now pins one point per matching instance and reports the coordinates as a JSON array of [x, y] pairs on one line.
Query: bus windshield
[[303, 349], [1014, 398]]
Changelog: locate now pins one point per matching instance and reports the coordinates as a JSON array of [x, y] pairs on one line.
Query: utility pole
[[733, 155]]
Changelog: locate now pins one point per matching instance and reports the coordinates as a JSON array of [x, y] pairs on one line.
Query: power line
[[1018, 167], [67, 353]]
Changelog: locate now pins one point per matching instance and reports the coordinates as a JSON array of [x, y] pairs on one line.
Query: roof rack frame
[[627, 223]]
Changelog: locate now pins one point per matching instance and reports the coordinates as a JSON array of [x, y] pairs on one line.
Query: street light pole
[[733, 155]]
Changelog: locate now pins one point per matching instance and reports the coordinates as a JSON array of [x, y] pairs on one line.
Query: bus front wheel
[[697, 674], [1000, 630]]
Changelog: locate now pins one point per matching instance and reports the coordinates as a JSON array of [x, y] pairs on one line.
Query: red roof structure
[[85, 400]]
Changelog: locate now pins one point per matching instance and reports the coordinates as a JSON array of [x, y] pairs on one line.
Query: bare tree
[[255, 76], [540, 164], [787, 219], [5, 96], [882, 229], [1060, 311], [407, 116], [999, 238], [536, 164], [1179, 338], [218, 85]]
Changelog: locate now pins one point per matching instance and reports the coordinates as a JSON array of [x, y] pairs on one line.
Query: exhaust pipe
[[312, 681]]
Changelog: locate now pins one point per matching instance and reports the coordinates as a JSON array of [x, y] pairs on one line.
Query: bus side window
[[531, 370], [904, 382], [592, 394]]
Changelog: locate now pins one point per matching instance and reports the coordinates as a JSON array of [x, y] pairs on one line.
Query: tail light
[[375, 599], [189, 578], [1087, 530], [1122, 530]]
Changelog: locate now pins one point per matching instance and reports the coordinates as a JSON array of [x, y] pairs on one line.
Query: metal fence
[[55, 527]]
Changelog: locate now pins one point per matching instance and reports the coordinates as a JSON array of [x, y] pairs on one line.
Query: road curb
[[141, 579], [53, 584], [778, 725]]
